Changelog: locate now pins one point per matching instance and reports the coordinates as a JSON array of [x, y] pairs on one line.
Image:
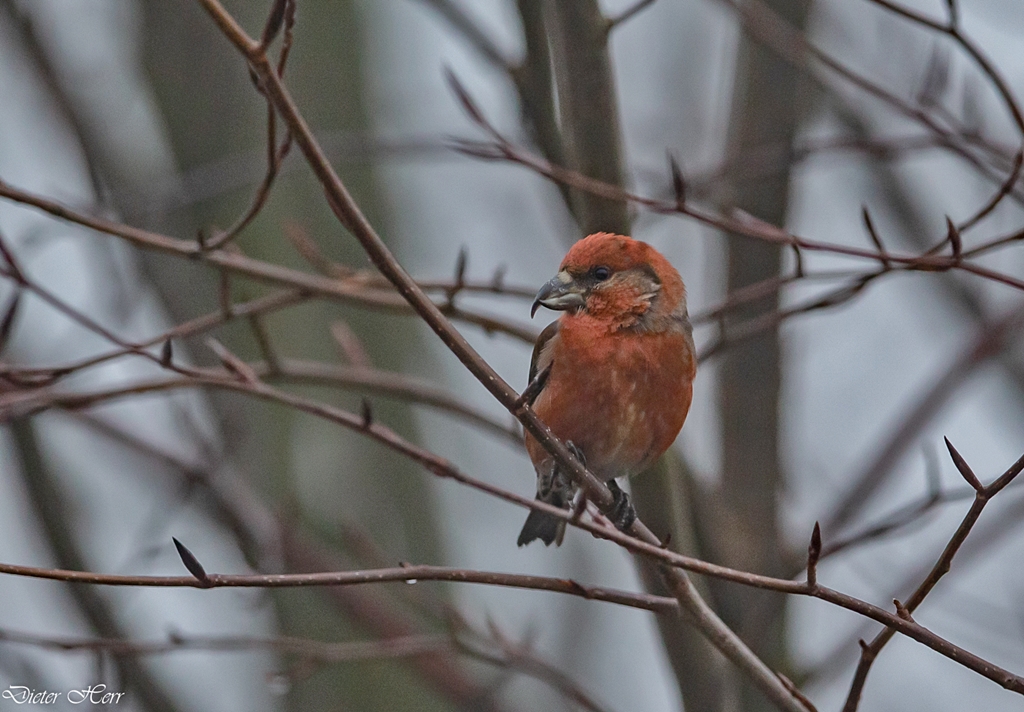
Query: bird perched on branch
[[614, 372]]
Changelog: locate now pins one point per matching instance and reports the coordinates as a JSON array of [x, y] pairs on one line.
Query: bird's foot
[[576, 452], [622, 514]]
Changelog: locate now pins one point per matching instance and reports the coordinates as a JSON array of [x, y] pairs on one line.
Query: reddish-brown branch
[[401, 574], [870, 651]]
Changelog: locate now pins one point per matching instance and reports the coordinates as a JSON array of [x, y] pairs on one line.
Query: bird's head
[[616, 279]]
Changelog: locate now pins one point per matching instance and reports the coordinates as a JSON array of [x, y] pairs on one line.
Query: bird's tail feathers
[[543, 526]]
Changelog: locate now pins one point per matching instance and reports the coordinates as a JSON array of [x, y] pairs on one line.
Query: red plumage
[[622, 363]]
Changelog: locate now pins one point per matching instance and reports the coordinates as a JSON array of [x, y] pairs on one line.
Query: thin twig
[[628, 13], [870, 651]]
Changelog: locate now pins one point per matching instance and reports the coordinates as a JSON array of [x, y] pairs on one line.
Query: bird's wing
[[543, 349]]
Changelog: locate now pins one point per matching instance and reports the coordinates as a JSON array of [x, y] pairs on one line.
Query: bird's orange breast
[[620, 396]]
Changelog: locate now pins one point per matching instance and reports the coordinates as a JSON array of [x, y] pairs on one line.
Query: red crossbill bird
[[617, 370]]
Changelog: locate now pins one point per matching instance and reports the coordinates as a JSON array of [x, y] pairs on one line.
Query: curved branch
[[983, 496]]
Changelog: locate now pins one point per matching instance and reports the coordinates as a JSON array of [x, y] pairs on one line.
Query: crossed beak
[[562, 293]]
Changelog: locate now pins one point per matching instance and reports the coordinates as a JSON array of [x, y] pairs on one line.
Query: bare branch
[[628, 13], [7, 324], [274, 21], [870, 651], [953, 236], [875, 239], [232, 363]]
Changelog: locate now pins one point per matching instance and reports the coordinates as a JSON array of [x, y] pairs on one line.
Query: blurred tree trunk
[[663, 498], [764, 113], [591, 142], [50, 506], [324, 475], [586, 103], [44, 486]]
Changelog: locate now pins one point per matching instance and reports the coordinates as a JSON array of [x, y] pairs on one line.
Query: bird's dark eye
[[602, 273]]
